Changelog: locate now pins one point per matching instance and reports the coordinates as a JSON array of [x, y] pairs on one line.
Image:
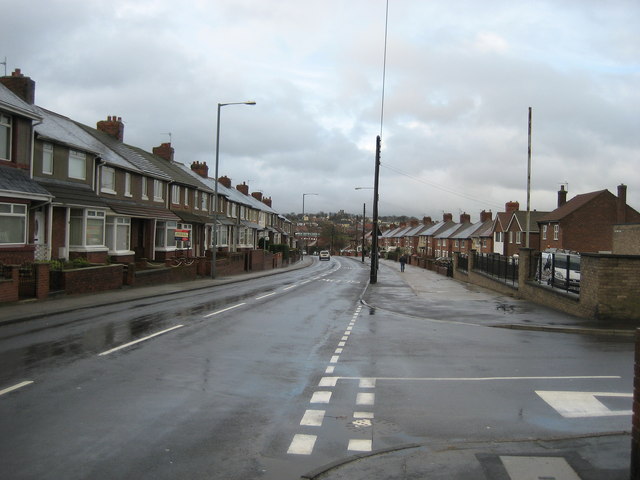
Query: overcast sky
[[460, 77]]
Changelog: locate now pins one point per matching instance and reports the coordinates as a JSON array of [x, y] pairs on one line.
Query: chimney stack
[[267, 201], [257, 195], [112, 126], [427, 221], [414, 223], [22, 86], [621, 204], [562, 196], [244, 188], [485, 216], [164, 151], [465, 218], [226, 181], [447, 217], [200, 168], [511, 207]]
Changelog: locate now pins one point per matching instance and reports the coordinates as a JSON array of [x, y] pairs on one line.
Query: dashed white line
[[359, 445], [302, 444], [224, 310], [289, 287], [330, 369], [367, 383], [365, 398], [321, 397], [338, 350], [342, 344], [138, 341], [312, 418], [265, 296], [16, 387], [334, 359], [368, 415]]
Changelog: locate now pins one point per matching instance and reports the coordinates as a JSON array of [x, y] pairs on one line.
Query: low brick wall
[[92, 279], [9, 287]]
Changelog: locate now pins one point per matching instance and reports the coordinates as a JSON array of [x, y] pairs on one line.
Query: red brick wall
[[9, 288], [17, 255], [93, 279]]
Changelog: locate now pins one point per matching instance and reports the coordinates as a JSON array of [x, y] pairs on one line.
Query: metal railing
[[558, 270], [498, 266]]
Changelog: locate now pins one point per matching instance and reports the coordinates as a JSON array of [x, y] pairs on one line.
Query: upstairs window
[[47, 158], [108, 180], [127, 184], [518, 237], [556, 232], [5, 137], [158, 191], [77, 165], [145, 188], [175, 194], [544, 232]]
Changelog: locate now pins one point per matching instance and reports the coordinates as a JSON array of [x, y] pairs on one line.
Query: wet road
[[273, 377]]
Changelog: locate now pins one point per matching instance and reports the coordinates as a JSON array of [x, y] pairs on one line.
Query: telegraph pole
[[374, 234]]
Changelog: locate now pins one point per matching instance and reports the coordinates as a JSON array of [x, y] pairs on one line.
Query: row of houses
[[586, 223], [68, 190]]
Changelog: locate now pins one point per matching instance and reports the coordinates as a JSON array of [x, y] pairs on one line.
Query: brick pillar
[[524, 265], [42, 280], [635, 424]]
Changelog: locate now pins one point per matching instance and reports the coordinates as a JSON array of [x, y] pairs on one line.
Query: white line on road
[[484, 379], [302, 444], [16, 387], [313, 418], [139, 340], [365, 399], [334, 359], [321, 397], [287, 288], [359, 445], [265, 296], [223, 310]]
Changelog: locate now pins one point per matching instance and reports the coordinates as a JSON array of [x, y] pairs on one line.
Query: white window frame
[[544, 232], [165, 235], [186, 196], [144, 190], [113, 226], [518, 237], [204, 201], [77, 163], [158, 191], [47, 158], [127, 184], [556, 231], [108, 180], [222, 236], [5, 139], [175, 194], [9, 212], [89, 220], [511, 237]]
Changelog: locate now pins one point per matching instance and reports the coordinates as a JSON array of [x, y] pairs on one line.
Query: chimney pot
[[22, 86], [112, 127], [621, 204]]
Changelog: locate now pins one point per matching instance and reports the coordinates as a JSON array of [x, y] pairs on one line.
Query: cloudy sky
[[460, 77]]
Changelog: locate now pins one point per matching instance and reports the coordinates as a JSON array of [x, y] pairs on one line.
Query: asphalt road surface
[[273, 377]]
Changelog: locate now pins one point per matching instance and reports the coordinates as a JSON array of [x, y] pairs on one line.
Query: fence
[[497, 266], [558, 270]]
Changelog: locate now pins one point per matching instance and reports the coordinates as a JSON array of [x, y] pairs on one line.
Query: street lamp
[[304, 195], [215, 195]]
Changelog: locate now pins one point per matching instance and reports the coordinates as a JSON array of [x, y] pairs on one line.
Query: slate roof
[[14, 104], [521, 218], [16, 180], [448, 231], [72, 194], [571, 206], [138, 210]]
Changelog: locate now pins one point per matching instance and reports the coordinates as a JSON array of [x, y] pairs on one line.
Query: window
[[117, 234], [518, 237], [5, 137], [86, 228], [510, 237], [484, 242], [77, 165], [127, 184], [544, 232], [223, 235], [456, 243], [47, 158], [145, 188], [186, 196], [556, 232], [165, 234], [175, 194], [196, 204], [183, 235], [158, 193], [499, 237], [203, 201], [108, 180], [13, 223]]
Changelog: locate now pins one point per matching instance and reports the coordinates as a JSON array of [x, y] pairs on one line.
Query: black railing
[[463, 263], [558, 270], [498, 266]]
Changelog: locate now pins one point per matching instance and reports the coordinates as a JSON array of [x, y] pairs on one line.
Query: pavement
[[413, 292]]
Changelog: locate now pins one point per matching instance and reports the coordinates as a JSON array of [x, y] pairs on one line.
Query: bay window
[[86, 228], [165, 234], [118, 234]]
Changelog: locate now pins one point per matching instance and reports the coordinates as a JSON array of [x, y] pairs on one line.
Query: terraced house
[[68, 190]]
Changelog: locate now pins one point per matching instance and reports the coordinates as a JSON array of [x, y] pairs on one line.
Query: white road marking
[[313, 418], [139, 340], [320, 397], [342, 344], [368, 415], [330, 369], [224, 310], [345, 338], [302, 444], [359, 445], [365, 398], [328, 381], [349, 328], [347, 333], [334, 359], [367, 383], [338, 350], [536, 468], [292, 286], [16, 387], [486, 379], [265, 296], [582, 404]]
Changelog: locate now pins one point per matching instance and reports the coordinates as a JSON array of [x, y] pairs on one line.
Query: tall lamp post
[[215, 188], [304, 195]]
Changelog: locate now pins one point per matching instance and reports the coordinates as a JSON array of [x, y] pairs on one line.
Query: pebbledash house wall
[[609, 286]]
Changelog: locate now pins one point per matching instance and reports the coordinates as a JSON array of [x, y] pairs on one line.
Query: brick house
[[586, 222], [23, 202], [516, 231], [500, 225]]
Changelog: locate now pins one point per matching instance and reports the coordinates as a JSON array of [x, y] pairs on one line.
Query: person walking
[[403, 262]]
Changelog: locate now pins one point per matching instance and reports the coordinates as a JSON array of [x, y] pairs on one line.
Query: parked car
[[324, 255], [560, 269]]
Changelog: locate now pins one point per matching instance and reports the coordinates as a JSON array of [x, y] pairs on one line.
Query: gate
[[27, 281]]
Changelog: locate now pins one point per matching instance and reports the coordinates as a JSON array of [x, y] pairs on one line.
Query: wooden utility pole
[[528, 185]]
